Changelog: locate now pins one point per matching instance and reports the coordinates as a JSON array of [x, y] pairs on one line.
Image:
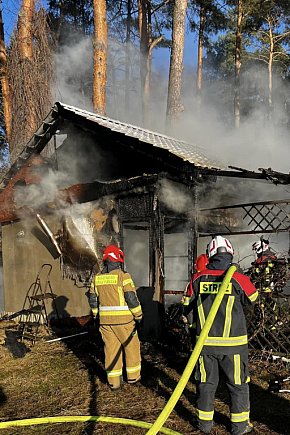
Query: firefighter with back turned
[[226, 347], [112, 297]]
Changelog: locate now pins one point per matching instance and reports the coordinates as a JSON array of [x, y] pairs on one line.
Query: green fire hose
[[194, 356]]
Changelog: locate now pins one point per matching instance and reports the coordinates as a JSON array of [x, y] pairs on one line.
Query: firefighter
[[112, 296], [226, 347], [263, 251], [263, 265], [199, 265]]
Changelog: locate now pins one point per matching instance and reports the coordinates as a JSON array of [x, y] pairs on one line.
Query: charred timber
[[78, 193], [238, 173], [81, 193]]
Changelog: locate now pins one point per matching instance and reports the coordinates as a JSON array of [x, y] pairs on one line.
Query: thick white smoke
[[256, 144]]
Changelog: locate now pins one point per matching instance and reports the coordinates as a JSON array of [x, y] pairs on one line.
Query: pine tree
[[174, 105]]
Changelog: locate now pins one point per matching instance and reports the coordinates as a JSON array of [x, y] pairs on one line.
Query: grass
[[66, 378]]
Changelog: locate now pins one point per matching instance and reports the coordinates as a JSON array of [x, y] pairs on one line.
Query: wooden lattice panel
[[252, 218], [267, 216]]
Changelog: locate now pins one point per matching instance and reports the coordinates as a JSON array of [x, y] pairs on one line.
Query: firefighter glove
[[139, 322], [185, 320], [95, 312]]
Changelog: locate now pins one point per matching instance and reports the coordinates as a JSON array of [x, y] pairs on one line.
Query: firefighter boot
[[204, 426], [134, 381], [249, 428], [117, 384]]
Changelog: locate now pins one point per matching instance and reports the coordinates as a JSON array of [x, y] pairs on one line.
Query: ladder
[[34, 306]]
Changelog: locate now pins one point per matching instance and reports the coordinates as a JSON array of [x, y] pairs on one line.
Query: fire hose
[[194, 356], [82, 418], [158, 424]]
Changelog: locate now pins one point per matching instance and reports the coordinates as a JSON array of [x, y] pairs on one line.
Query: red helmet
[[113, 253], [201, 262]]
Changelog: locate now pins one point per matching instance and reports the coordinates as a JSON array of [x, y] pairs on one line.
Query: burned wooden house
[[84, 181]]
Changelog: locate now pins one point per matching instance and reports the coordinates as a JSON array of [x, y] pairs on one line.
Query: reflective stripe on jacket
[[114, 293]]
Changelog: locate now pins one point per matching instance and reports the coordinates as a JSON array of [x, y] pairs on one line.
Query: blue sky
[[10, 10]]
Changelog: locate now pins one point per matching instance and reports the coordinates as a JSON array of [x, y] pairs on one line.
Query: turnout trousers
[[235, 368], [121, 341]]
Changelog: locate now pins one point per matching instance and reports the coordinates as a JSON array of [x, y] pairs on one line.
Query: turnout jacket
[[228, 333], [266, 256], [113, 295]]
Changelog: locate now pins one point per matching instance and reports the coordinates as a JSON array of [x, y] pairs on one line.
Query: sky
[[10, 10]]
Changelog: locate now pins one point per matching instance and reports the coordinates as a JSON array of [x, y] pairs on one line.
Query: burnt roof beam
[[87, 192], [235, 174]]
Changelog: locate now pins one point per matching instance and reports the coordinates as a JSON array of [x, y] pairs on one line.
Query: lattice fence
[[269, 319], [269, 324]]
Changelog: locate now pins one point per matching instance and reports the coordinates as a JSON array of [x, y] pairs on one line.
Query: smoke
[[209, 125], [35, 196], [74, 83], [74, 65], [175, 197], [46, 195], [136, 255], [257, 143], [78, 214]]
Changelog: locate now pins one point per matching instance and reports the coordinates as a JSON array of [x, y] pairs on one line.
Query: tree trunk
[[100, 56], [174, 107], [61, 21], [270, 70], [26, 57], [200, 52], [5, 84], [238, 63], [147, 78], [144, 48], [128, 57], [147, 84], [25, 29]]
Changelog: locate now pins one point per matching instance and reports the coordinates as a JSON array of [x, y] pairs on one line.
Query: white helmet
[[219, 245], [260, 247]]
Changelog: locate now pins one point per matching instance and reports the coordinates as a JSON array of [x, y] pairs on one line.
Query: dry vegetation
[[26, 79], [66, 378]]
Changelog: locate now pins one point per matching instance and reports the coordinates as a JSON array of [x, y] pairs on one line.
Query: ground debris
[[68, 378]]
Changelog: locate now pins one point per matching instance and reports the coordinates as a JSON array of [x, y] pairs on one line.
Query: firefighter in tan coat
[[112, 296]]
